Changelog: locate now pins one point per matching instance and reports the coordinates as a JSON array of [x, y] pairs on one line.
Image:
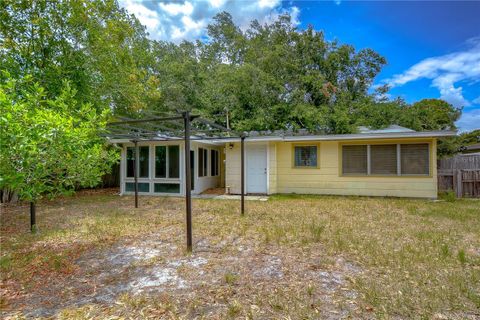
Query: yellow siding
[[222, 167], [327, 178], [232, 168], [272, 168]]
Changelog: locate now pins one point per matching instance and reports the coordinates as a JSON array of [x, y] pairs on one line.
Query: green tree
[[273, 76], [49, 146], [98, 47], [430, 114], [452, 145]]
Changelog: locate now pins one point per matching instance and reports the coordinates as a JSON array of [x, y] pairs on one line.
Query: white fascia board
[[209, 142], [365, 136], [113, 141], [124, 140], [250, 139], [330, 137]]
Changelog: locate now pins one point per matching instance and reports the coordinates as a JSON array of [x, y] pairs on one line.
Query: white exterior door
[[256, 174]]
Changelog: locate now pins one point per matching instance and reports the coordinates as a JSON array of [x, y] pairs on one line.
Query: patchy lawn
[[296, 257]]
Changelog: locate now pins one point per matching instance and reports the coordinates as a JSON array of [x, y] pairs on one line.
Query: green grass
[[418, 257]]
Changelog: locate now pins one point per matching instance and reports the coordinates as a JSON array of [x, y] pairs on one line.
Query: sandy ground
[[153, 266]]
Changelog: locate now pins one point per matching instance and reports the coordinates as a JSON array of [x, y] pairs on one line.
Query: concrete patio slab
[[229, 197]]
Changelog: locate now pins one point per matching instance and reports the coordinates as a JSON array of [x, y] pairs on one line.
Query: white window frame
[[137, 162], [317, 148], [167, 162], [202, 151], [217, 164]]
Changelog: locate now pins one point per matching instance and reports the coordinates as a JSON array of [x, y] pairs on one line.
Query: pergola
[[179, 127]]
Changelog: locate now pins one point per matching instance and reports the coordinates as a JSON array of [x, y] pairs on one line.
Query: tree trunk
[[33, 222], [7, 196]]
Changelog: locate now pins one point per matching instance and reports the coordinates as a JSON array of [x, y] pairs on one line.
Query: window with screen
[[306, 156], [386, 159], [167, 161], [130, 162], [202, 162], [143, 162], [173, 161], [160, 162], [415, 159], [214, 163], [383, 159], [142, 187], [166, 188], [354, 160]]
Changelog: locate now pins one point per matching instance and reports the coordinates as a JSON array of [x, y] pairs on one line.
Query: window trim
[[369, 160], [165, 183], [399, 173], [340, 163], [203, 151], [137, 157], [306, 144], [429, 161], [167, 162], [213, 164]]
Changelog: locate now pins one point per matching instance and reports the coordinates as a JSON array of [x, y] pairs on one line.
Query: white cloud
[[148, 17], [476, 100], [445, 71], [470, 120], [187, 20], [174, 9]]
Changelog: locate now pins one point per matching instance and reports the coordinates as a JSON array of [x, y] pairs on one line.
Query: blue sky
[[432, 48]]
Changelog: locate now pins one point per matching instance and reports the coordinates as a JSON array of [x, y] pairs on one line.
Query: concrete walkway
[[229, 197]]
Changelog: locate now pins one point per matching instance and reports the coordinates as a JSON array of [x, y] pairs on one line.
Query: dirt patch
[[149, 266]]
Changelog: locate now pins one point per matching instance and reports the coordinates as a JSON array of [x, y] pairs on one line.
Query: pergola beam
[[147, 120], [138, 130], [188, 181]]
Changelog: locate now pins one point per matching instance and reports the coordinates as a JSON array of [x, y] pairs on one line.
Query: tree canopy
[[93, 55], [269, 76], [46, 148], [275, 76], [99, 48]]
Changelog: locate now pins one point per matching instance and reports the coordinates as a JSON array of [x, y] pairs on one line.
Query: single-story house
[[395, 161], [473, 148]]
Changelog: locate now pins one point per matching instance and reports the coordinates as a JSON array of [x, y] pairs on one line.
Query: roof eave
[[368, 136], [331, 137]]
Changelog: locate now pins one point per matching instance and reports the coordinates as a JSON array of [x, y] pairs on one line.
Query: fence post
[[459, 183]]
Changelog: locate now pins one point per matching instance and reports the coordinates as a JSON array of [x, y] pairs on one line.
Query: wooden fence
[[112, 179], [460, 174]]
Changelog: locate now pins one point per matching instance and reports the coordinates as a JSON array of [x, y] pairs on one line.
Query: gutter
[[330, 137]]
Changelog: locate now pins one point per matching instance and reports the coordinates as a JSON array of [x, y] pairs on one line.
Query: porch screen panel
[[142, 187], [143, 161], [205, 162], [173, 161], [305, 156], [214, 163], [130, 162], [383, 159], [354, 160], [200, 162], [415, 159], [160, 162], [166, 188]]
